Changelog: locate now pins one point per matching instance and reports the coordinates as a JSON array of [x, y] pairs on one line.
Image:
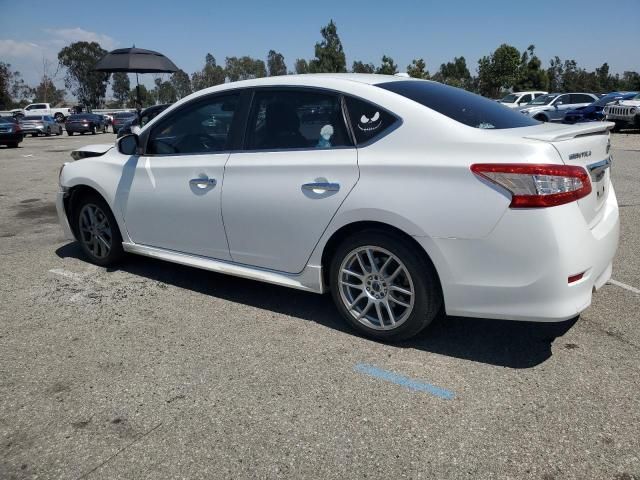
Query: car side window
[[368, 121], [563, 99], [202, 127], [525, 98], [296, 118], [581, 98]]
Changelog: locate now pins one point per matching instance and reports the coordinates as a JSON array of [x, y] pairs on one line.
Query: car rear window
[[462, 106]]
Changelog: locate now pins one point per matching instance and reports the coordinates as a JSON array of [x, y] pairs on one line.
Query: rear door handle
[[203, 182], [324, 186]]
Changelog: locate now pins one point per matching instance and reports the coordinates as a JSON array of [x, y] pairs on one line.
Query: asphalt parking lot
[[154, 370]]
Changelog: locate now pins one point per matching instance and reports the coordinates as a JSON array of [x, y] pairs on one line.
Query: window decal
[[367, 124]]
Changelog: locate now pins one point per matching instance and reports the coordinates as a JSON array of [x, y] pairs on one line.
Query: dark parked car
[[146, 116], [10, 132], [120, 119], [595, 111], [40, 125], [85, 122]]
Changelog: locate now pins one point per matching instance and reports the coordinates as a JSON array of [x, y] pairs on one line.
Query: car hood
[[91, 151], [535, 108]]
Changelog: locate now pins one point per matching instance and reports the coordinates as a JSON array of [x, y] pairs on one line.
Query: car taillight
[[537, 185]]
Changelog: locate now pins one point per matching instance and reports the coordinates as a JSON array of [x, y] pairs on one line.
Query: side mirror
[[129, 145]]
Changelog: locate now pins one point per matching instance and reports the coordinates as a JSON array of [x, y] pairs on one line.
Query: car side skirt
[[310, 279]]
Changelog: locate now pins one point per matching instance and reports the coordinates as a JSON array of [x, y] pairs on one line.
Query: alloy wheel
[[376, 288], [95, 231]]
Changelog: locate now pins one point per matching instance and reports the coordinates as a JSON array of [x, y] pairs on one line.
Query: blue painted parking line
[[404, 381]]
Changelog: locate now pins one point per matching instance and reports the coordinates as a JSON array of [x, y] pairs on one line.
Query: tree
[[47, 92], [275, 63], [329, 53], [244, 68], [418, 69], [531, 76], [14, 92], [120, 85], [301, 66], [499, 70], [387, 67], [605, 81], [630, 81], [88, 86], [146, 98], [181, 83], [164, 92], [454, 73], [360, 67], [210, 75]]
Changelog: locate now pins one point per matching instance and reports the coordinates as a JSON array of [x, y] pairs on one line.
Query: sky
[[591, 32]]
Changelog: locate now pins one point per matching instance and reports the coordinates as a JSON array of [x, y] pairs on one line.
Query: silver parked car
[[552, 107], [40, 125]]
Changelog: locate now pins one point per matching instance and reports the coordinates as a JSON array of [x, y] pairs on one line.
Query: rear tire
[[541, 118], [394, 300], [70, 133], [12, 145], [93, 130], [97, 230]]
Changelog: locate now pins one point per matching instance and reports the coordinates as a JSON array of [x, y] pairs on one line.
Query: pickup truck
[[44, 109]]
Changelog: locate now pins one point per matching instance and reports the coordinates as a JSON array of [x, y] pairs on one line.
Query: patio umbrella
[[135, 60]]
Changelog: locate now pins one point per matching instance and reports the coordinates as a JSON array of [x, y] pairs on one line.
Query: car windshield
[[543, 99], [33, 117], [510, 98], [462, 106]]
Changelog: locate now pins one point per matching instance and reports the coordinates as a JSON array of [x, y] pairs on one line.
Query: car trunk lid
[[585, 145]]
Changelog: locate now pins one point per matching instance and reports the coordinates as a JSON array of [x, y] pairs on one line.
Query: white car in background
[[519, 99], [552, 107], [400, 196]]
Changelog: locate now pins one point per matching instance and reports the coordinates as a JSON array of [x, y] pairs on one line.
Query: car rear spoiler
[[91, 151], [567, 132]]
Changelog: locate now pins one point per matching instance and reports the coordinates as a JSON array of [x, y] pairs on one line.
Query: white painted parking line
[[64, 273], [624, 285]]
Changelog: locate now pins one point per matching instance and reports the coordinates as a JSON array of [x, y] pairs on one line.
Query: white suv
[[400, 196], [519, 99]]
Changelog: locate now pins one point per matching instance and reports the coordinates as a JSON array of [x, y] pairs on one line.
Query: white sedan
[[402, 197]]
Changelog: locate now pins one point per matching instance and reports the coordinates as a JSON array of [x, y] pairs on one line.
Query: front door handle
[[323, 186], [203, 182]]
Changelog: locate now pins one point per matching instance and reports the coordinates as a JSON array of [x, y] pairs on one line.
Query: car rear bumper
[[78, 128], [30, 130], [62, 216], [520, 271], [11, 137]]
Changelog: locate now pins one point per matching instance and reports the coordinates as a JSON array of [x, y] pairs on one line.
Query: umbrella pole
[[139, 104]]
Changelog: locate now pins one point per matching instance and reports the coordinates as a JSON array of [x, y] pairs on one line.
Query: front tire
[[97, 230], [70, 133], [383, 286]]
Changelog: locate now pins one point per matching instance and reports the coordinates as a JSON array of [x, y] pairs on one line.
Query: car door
[[281, 191], [560, 106], [524, 99], [173, 201]]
